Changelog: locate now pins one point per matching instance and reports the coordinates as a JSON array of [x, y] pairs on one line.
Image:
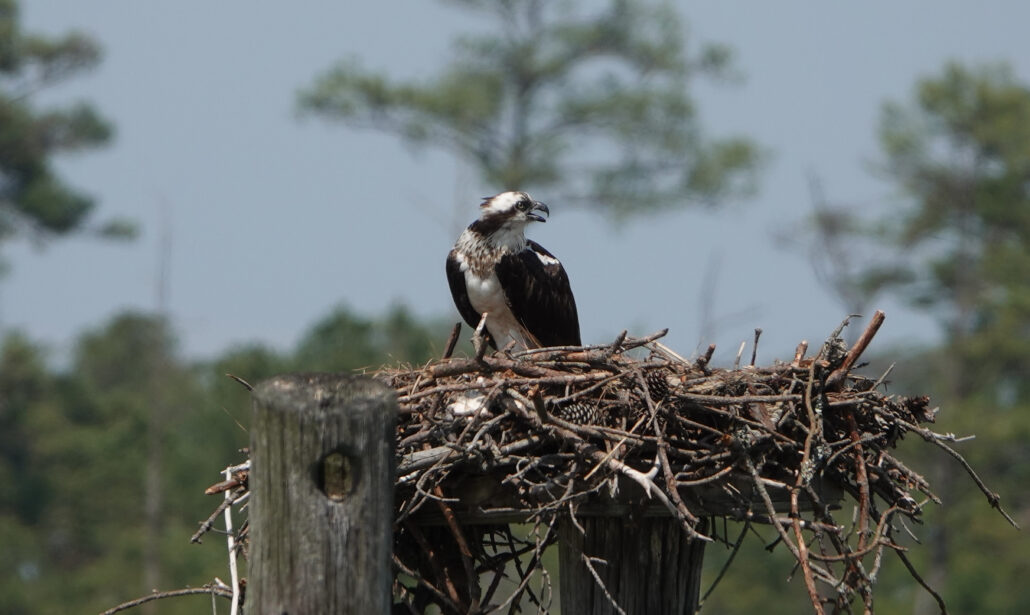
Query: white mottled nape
[[503, 202], [485, 251], [510, 237]]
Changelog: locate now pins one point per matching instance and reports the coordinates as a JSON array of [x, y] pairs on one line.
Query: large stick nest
[[632, 428]]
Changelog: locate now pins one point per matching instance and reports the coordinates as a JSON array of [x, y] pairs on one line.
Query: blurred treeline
[[104, 457], [74, 451], [77, 452]]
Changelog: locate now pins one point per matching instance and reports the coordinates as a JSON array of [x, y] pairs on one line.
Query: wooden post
[[649, 566], [321, 482]]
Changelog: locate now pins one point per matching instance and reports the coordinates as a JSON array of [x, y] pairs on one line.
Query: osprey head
[[512, 209]]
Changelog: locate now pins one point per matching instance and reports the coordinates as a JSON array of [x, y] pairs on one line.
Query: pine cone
[[657, 384], [579, 413]]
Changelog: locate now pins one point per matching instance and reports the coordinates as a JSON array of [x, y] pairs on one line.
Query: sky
[[269, 220]]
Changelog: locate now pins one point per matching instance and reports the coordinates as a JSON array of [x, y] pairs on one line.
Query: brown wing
[[539, 295], [459, 292]]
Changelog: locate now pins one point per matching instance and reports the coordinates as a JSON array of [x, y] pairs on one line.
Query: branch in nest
[[856, 351], [697, 440]]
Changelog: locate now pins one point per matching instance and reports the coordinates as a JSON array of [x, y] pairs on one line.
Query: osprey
[[523, 288]]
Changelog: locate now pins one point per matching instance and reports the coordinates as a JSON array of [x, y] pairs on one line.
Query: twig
[[814, 526], [669, 352], [189, 591], [479, 339], [245, 384], [856, 351], [800, 552], [879, 381], [725, 566], [814, 430], [721, 400], [452, 340], [451, 597], [687, 519], [423, 582], [208, 523], [844, 323], [600, 584], [993, 498], [861, 478], [614, 449], [538, 552], [616, 345], [704, 360], [557, 351], [915, 575], [754, 349], [799, 353], [740, 353], [230, 539], [463, 547], [937, 439]]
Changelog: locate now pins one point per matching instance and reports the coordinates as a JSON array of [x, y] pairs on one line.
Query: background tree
[[343, 340], [75, 444], [593, 106], [961, 156], [34, 201], [955, 244], [77, 521], [841, 247], [24, 384]]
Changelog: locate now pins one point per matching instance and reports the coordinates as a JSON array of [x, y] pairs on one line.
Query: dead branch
[[211, 589]]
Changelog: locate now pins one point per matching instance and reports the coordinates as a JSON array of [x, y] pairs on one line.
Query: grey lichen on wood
[[322, 481]]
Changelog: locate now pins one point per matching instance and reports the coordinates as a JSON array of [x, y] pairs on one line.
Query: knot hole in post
[[336, 474]]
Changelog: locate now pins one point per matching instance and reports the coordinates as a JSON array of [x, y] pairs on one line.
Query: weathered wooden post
[[647, 565], [322, 474]]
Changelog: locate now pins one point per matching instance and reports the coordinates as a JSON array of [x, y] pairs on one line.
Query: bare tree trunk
[[153, 499], [153, 486]]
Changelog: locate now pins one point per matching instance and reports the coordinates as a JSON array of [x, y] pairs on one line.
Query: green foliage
[[841, 248], [23, 378], [961, 154], [967, 551], [253, 363], [595, 105], [759, 579], [85, 434], [346, 341], [34, 201], [957, 245], [75, 445]]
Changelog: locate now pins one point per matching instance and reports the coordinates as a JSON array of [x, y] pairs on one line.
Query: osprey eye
[[522, 205]]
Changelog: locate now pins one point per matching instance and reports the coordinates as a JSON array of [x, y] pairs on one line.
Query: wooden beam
[[643, 565], [321, 482]]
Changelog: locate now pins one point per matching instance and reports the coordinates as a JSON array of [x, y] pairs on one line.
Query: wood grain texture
[[651, 567], [322, 495]]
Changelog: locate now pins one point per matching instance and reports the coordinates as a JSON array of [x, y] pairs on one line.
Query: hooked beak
[[538, 206]]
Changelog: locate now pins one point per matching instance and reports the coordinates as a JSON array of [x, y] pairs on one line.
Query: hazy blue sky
[[273, 220]]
